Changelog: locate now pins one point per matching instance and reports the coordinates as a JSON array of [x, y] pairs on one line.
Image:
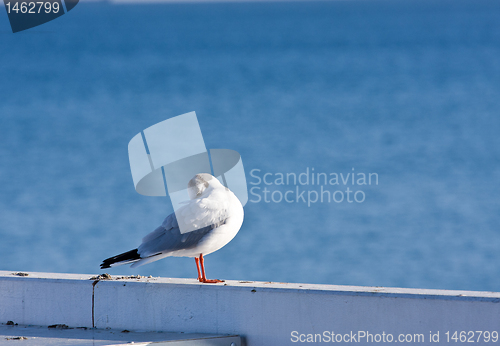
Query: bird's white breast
[[220, 235]]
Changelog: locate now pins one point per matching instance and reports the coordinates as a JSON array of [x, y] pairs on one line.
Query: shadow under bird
[[204, 224]]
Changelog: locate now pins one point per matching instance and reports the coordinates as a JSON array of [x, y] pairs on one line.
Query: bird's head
[[200, 183]]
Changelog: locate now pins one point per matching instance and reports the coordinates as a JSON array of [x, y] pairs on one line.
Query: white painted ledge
[[263, 313]]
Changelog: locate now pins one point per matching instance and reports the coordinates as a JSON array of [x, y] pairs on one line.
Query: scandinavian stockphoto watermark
[[28, 14], [310, 187], [167, 155], [366, 337]]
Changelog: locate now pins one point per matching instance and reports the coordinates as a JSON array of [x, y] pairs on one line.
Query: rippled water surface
[[407, 90]]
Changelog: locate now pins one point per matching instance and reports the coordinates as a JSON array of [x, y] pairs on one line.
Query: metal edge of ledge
[[369, 291], [41, 335]]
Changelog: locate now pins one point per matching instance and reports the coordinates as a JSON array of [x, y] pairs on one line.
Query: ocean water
[[405, 90]]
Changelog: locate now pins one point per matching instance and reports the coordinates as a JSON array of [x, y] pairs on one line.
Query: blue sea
[[408, 91]]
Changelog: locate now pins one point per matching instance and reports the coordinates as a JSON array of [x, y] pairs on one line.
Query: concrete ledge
[[263, 313]]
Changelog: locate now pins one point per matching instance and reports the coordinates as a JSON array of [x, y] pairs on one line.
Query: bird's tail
[[124, 258]]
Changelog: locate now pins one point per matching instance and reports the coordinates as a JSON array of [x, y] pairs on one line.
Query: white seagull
[[209, 220]]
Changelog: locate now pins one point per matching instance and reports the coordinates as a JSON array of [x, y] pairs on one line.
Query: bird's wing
[[202, 214], [169, 223]]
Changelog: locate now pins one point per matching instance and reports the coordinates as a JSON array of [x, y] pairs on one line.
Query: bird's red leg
[[204, 278], [197, 260]]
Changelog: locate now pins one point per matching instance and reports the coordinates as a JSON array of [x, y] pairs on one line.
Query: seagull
[[204, 224]]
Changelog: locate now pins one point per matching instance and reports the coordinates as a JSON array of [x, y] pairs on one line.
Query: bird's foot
[[208, 281]]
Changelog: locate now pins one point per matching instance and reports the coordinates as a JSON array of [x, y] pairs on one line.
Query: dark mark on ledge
[[59, 326], [17, 338], [21, 274], [104, 276]]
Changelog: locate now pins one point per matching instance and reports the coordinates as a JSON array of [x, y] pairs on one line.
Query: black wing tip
[[126, 256]]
